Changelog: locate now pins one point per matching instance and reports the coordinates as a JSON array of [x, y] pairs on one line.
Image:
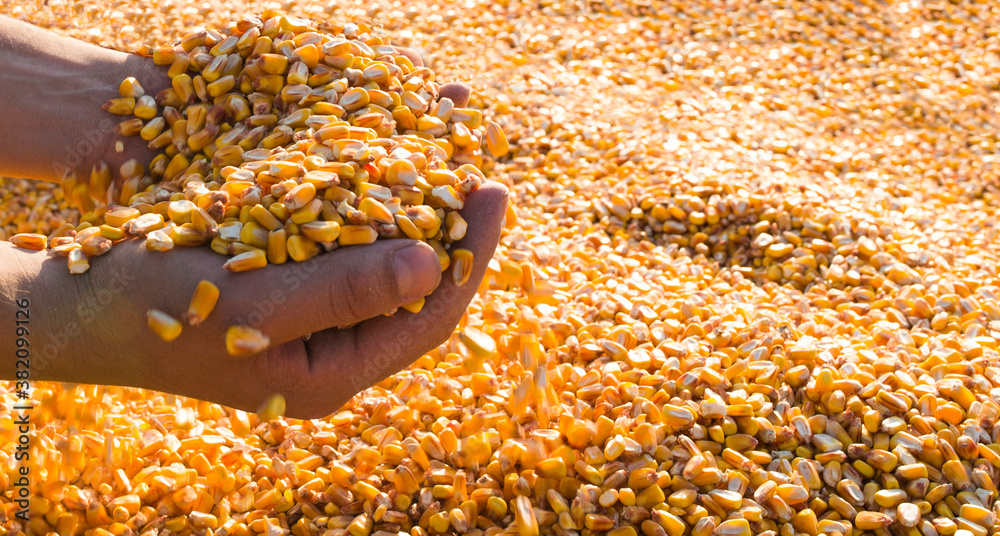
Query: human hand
[[92, 328], [104, 338]]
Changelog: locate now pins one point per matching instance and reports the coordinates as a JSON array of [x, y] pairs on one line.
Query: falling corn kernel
[[163, 325], [206, 294], [272, 408], [478, 342], [244, 341], [496, 141]]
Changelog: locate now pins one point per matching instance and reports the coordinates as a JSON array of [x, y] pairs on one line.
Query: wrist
[[51, 95], [97, 141]]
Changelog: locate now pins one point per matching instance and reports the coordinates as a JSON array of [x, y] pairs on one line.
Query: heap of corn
[[752, 289]]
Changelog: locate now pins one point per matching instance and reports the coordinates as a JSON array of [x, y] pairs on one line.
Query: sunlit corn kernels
[[749, 288]]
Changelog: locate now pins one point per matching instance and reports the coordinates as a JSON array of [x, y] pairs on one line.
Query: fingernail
[[417, 270]]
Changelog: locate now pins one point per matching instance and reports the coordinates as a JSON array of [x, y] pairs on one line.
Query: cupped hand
[[92, 328], [340, 298]]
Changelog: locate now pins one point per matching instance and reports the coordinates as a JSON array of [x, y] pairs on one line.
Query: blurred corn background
[[751, 289]]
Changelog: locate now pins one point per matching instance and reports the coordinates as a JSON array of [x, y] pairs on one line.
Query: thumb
[[458, 92], [334, 289]]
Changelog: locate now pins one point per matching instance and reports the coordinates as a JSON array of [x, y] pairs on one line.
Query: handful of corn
[[280, 139]]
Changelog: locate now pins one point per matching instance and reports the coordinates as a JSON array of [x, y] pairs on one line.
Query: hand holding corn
[[96, 322], [281, 146]]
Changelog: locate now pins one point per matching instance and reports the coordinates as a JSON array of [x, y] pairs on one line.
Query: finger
[[241, 383], [287, 301], [346, 361], [458, 92], [414, 56], [339, 288]]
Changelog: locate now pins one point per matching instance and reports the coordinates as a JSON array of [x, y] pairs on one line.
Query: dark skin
[[91, 328]]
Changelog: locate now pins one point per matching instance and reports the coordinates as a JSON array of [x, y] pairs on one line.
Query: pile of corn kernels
[[752, 289]]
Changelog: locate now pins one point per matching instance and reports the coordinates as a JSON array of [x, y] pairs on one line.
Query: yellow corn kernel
[[264, 217], [356, 234], [202, 138], [158, 240], [321, 231], [957, 474], [273, 63], [431, 125], [456, 226], [496, 141], [95, 245], [401, 172], [130, 87], [206, 294], [524, 517], [152, 129], [120, 106], [354, 99], [177, 165], [203, 224], [977, 514], [408, 227], [734, 527], [77, 261], [272, 408], [29, 241], [254, 235], [307, 213], [301, 248], [221, 86], [415, 307], [461, 266], [376, 210], [145, 108], [100, 180], [872, 520], [183, 86], [250, 260], [112, 233], [442, 254], [446, 197], [245, 340], [277, 246], [163, 325]]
